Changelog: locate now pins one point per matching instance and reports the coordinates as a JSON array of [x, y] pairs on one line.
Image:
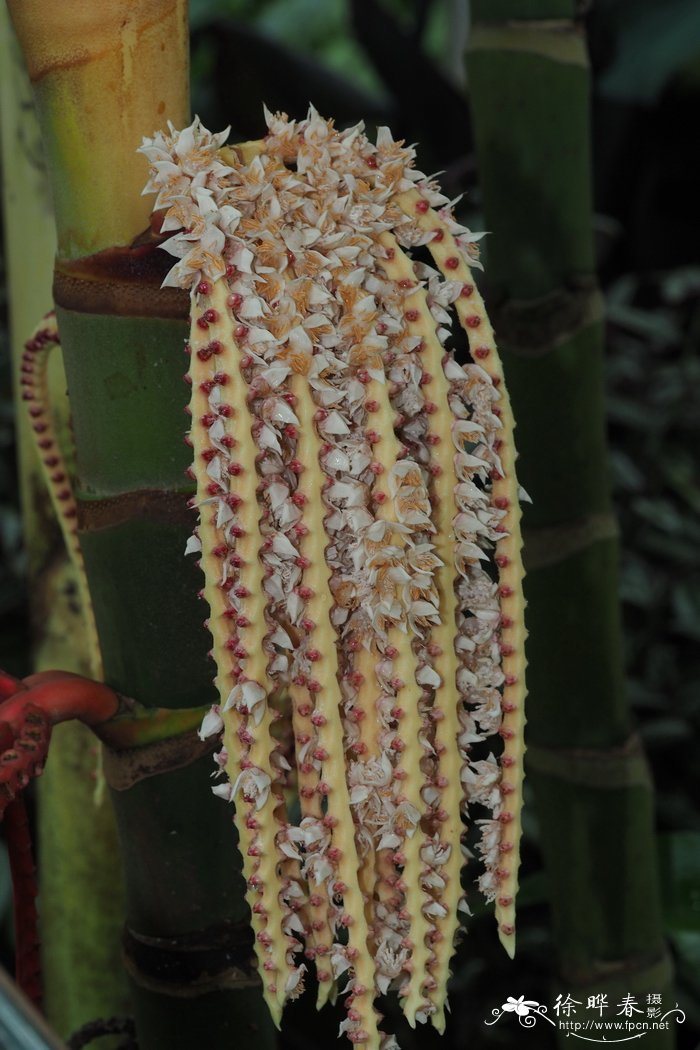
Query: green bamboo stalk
[[81, 893], [104, 76], [529, 86]]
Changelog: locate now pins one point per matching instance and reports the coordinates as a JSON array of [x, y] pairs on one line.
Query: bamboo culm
[[529, 89]]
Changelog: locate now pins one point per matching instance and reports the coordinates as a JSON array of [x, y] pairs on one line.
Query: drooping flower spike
[[359, 536], [56, 475]]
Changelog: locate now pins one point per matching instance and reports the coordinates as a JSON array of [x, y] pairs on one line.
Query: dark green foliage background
[[399, 63]]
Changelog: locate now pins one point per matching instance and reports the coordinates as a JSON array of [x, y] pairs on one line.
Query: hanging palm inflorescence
[[359, 537]]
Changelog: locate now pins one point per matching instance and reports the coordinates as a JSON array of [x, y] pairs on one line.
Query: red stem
[[8, 685], [27, 711], [62, 696], [19, 847]]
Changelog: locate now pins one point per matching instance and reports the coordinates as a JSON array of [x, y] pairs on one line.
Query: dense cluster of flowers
[[359, 537]]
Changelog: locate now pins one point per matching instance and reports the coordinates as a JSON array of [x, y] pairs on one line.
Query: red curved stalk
[[27, 712], [25, 889], [61, 696]]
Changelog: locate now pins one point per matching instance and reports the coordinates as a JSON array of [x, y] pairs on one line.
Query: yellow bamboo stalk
[[104, 74], [81, 887]]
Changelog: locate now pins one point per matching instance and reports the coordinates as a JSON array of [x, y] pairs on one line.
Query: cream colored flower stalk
[[358, 529]]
